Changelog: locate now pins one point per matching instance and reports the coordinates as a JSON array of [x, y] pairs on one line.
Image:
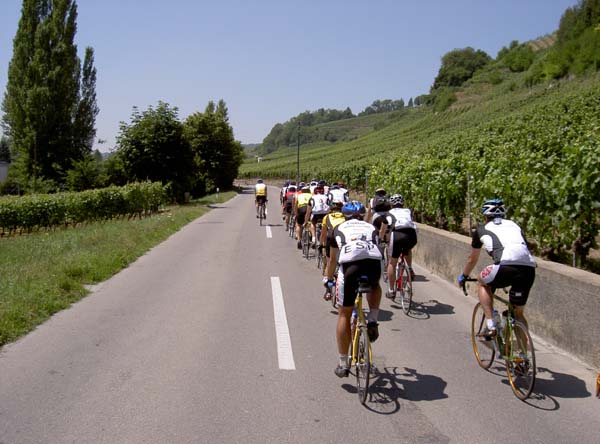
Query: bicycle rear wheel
[[520, 360], [363, 364], [406, 292], [483, 344], [306, 243], [261, 214]]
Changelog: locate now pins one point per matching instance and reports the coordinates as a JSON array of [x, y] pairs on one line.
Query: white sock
[[344, 360], [490, 324]]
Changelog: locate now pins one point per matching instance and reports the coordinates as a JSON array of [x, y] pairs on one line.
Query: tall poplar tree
[[87, 109], [42, 102]]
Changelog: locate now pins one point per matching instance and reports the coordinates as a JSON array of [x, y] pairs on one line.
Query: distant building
[[3, 171]]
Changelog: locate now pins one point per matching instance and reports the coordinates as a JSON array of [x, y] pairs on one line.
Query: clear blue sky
[[273, 59]]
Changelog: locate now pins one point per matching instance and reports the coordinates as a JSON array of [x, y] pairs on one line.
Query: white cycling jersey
[[356, 240], [398, 218], [318, 204], [337, 195], [504, 241]]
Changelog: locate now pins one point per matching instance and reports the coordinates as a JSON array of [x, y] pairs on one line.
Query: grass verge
[[45, 272]]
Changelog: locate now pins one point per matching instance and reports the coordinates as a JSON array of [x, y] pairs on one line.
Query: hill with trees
[[522, 125]]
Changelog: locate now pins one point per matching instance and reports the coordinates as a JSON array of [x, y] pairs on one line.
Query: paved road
[[190, 345]]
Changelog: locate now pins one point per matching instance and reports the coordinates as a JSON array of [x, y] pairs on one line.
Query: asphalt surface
[[185, 346]]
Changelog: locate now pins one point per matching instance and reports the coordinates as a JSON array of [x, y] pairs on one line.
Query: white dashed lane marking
[[282, 333]]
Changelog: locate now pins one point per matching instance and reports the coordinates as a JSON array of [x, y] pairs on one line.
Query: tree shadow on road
[[390, 385]]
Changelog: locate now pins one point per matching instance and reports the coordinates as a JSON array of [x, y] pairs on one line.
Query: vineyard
[[43, 211], [538, 148]]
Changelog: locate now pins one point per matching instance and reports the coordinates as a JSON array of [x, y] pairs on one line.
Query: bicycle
[[262, 212], [291, 225], [511, 342], [361, 351], [383, 245], [403, 285], [319, 249], [330, 294], [305, 236]]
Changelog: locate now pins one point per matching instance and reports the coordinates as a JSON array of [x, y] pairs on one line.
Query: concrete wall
[[564, 303]]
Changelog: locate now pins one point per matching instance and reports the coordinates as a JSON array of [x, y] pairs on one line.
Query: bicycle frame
[[360, 323]]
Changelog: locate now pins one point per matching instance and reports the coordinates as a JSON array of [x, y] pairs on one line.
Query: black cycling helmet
[[259, 181], [493, 208]]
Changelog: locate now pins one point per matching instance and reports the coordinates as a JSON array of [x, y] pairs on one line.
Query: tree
[[410, 102], [87, 109], [42, 93], [458, 66], [4, 150], [217, 155], [152, 148]]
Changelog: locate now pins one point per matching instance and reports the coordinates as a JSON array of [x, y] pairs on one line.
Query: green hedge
[[37, 211]]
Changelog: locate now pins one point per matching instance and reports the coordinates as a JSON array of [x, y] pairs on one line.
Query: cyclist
[[513, 266], [402, 239], [283, 190], [317, 209], [330, 221], [379, 206], [358, 256], [288, 200], [336, 193], [260, 195], [313, 185], [300, 207]]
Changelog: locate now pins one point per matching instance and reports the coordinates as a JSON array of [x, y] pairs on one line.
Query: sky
[[270, 60]]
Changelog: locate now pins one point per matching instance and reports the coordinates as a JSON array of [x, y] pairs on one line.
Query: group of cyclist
[[353, 237]]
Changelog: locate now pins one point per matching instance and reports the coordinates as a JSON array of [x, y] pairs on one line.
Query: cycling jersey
[[337, 195], [302, 199], [260, 189], [399, 218], [357, 240], [332, 220], [504, 241], [318, 204]]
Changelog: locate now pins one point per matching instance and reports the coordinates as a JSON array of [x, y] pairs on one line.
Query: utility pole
[[298, 156]]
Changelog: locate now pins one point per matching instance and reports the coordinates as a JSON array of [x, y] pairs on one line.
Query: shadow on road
[[391, 384]]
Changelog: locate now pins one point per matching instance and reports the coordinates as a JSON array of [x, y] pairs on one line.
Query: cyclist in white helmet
[[513, 266]]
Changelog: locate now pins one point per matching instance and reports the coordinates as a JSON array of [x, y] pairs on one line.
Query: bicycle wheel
[[363, 364], [306, 244], [406, 292], [520, 360], [483, 344], [384, 263], [261, 214]]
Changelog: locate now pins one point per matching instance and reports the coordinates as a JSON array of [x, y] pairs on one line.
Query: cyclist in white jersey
[[317, 209], [358, 256], [336, 194], [403, 238], [513, 266]]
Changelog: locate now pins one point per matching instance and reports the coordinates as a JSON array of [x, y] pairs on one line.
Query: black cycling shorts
[[301, 215], [317, 218], [402, 241], [261, 199], [347, 283], [518, 277]]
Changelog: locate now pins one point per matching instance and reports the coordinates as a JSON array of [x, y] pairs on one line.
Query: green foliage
[[444, 97], [286, 134], [458, 66], [152, 147], [38, 211], [382, 106], [517, 57], [217, 155], [86, 174], [87, 108], [4, 149], [43, 91]]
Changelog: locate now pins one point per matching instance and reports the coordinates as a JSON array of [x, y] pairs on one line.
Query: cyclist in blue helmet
[[358, 256]]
